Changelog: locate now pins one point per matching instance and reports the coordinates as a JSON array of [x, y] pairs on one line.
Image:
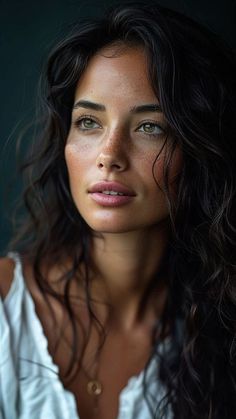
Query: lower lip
[[110, 200]]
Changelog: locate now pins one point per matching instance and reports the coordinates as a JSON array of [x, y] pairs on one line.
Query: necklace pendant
[[94, 388]]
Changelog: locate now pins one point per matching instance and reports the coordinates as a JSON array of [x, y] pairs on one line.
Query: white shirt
[[30, 387]]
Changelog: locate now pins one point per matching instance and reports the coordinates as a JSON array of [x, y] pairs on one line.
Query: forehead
[[116, 73]]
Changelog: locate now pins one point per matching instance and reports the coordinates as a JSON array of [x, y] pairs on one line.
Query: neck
[[127, 266]]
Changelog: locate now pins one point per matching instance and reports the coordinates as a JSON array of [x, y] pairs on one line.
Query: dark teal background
[[28, 29]]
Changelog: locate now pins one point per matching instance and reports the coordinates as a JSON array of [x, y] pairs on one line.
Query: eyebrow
[[89, 105], [86, 104]]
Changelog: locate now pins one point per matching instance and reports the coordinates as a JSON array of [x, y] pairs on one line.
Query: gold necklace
[[94, 385], [94, 388]]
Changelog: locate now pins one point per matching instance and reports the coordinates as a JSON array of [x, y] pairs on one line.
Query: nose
[[113, 154]]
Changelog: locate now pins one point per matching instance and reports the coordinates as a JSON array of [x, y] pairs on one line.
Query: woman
[[119, 300]]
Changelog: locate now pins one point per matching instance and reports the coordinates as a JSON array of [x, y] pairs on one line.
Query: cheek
[[72, 163], [76, 167], [75, 160], [174, 167], [143, 161]]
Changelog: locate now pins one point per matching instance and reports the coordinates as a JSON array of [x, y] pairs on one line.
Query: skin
[[120, 144], [128, 241]]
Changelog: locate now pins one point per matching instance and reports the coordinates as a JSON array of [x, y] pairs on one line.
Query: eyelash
[[77, 123], [83, 118], [152, 123]]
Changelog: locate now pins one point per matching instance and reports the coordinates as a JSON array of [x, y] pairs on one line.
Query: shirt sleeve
[[8, 373]]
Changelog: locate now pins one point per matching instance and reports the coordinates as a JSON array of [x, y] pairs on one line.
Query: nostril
[[116, 166], [111, 163]]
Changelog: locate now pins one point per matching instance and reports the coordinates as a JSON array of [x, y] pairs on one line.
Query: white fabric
[[30, 387]]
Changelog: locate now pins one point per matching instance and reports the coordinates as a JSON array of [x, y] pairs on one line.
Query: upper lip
[[111, 186]]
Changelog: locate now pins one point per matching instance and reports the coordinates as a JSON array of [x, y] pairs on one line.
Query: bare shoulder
[[7, 266]]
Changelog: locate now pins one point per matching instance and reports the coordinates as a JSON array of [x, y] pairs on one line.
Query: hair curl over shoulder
[[193, 75]]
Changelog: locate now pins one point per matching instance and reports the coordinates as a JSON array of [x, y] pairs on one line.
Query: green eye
[[151, 128], [87, 124]]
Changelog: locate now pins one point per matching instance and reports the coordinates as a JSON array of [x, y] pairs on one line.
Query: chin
[[110, 228], [107, 221]]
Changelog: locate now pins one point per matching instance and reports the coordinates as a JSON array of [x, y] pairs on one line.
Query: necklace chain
[[94, 386]]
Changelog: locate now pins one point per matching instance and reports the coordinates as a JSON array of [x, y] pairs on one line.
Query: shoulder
[[7, 266]]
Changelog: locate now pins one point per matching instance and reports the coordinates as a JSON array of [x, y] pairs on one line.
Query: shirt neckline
[[133, 383]]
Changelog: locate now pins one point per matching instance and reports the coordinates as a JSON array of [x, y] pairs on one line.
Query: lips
[[106, 187], [111, 194]]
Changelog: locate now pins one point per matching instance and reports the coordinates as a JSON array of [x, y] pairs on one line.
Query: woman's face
[[117, 132]]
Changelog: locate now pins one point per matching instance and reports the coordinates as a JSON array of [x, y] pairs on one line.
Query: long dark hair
[[193, 75]]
